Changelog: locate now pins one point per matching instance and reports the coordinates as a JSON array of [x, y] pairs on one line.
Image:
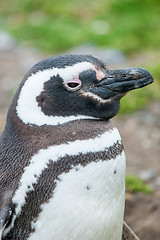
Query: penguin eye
[[73, 85]]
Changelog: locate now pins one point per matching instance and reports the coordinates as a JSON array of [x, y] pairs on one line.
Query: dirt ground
[[140, 133]]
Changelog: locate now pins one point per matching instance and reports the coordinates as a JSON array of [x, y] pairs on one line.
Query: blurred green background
[[131, 26]]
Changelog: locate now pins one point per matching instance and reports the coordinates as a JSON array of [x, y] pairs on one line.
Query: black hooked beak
[[118, 82]]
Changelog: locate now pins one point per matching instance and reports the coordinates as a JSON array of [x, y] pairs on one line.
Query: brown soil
[[141, 137], [140, 133]]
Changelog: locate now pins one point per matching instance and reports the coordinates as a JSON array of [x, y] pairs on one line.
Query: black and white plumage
[[62, 163]]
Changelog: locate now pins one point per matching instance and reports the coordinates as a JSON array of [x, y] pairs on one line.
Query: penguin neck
[[37, 137]]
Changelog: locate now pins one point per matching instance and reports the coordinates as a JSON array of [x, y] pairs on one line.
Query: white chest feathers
[[87, 204]]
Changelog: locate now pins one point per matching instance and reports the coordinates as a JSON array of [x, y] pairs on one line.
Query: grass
[[58, 25], [134, 184]]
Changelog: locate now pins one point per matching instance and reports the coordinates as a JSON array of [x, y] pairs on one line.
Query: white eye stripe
[[27, 107], [94, 97]]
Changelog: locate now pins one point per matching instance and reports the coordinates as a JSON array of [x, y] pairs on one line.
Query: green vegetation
[[128, 25], [55, 26], [135, 184]]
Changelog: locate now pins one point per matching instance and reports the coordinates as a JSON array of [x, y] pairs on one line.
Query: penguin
[[62, 162]]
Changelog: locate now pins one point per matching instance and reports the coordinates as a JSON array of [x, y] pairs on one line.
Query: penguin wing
[[128, 234], [6, 210], [1, 230], [5, 214]]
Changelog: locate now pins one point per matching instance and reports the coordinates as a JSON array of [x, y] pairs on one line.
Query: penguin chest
[[72, 191], [87, 202]]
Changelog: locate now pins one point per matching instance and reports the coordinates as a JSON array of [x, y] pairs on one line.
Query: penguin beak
[[118, 82]]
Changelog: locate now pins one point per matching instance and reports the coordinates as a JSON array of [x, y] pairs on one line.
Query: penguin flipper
[[6, 213], [128, 234]]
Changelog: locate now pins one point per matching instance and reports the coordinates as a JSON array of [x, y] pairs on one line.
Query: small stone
[[108, 56], [7, 43], [147, 175], [147, 117]]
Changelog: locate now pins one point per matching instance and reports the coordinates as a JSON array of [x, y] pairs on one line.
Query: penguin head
[[75, 85]]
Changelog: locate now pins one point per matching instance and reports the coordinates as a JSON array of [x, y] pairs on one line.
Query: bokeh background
[[122, 33]]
